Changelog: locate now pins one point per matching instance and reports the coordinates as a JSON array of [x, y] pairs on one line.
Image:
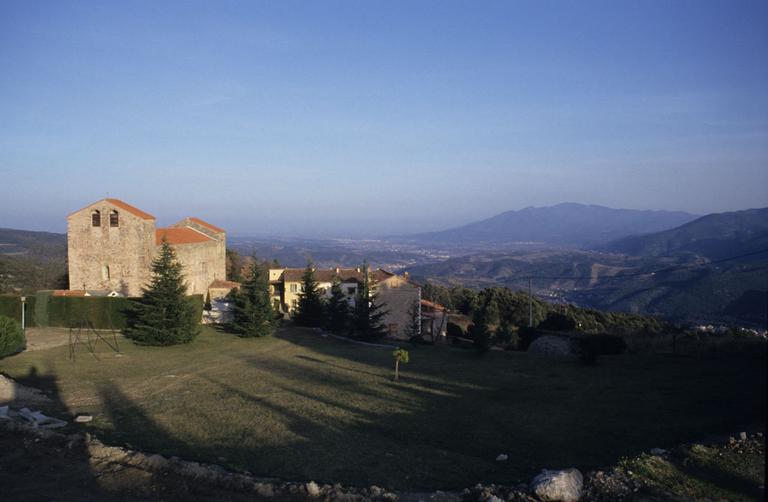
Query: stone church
[[111, 246]]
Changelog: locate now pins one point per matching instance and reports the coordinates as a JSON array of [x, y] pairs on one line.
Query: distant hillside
[[30, 261], [713, 236], [568, 224], [32, 244]]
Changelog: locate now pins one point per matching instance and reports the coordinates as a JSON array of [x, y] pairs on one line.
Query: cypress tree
[[368, 314], [310, 310], [413, 328], [163, 315], [337, 309], [253, 315]]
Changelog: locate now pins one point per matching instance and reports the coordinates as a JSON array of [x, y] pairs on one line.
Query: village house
[[111, 245], [396, 293]]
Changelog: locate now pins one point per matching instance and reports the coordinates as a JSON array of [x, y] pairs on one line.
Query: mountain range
[[715, 236], [568, 224]]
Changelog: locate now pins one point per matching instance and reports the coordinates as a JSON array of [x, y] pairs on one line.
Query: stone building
[[111, 245]]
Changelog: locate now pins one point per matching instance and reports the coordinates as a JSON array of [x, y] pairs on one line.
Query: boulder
[[564, 486], [554, 346]]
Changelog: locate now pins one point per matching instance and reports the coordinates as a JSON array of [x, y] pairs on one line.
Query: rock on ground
[[563, 486]]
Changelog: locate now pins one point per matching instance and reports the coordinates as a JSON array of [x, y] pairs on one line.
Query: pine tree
[[368, 314], [310, 310], [413, 329], [337, 309], [163, 315], [253, 315]]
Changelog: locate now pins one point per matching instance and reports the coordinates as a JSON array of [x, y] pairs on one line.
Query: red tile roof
[[207, 225], [68, 292], [180, 236], [324, 275], [122, 205], [133, 210], [432, 305]]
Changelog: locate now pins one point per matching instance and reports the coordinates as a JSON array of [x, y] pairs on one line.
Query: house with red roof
[[111, 245]]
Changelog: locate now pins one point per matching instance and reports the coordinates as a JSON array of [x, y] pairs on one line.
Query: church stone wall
[[202, 264], [119, 258], [109, 258]]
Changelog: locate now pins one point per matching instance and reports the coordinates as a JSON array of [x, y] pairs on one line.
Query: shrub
[[11, 337], [557, 322], [454, 329], [526, 336]]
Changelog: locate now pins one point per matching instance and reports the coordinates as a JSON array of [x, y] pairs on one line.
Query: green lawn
[[298, 406]]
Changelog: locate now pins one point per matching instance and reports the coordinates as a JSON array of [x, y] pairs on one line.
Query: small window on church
[[96, 219], [114, 220], [105, 272]]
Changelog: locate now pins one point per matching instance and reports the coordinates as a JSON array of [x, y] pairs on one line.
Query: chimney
[[357, 269], [337, 270], [405, 275]]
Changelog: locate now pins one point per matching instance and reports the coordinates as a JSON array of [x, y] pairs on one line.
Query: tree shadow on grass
[[38, 469], [590, 419]]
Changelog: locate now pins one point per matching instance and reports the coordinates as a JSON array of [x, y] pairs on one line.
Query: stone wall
[[106, 257], [397, 295], [203, 263]]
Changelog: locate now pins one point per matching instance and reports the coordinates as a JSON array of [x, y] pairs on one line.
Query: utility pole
[[23, 317], [530, 304]]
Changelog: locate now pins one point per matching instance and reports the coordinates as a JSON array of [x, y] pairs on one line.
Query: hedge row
[[67, 311], [10, 306]]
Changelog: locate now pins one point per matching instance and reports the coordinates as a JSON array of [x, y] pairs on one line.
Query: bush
[[454, 329], [557, 322], [11, 337], [10, 306], [526, 336]]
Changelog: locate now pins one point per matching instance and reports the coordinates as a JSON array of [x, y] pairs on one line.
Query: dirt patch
[[12, 392]]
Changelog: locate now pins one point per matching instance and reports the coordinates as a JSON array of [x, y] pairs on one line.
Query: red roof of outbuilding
[[183, 235]]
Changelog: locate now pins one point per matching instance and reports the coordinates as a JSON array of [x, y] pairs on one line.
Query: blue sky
[[362, 117]]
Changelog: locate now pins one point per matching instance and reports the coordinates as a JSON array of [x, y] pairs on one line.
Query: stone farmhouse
[[397, 293], [111, 245]]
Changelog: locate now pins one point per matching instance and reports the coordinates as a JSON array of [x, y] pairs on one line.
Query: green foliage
[[454, 329], [163, 316], [437, 294], [526, 336], [464, 300], [101, 311], [506, 334], [10, 306], [368, 314], [401, 355], [310, 310], [234, 266], [485, 318], [337, 309], [253, 314], [556, 321], [11, 337], [413, 328]]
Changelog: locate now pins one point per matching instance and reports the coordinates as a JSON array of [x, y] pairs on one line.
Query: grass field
[[299, 406]]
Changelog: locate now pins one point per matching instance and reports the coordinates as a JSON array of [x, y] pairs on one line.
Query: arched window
[[105, 272], [114, 220], [96, 219]]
